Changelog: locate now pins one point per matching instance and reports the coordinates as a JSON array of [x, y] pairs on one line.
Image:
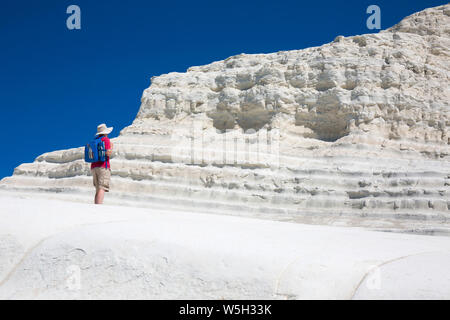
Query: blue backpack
[[95, 151]]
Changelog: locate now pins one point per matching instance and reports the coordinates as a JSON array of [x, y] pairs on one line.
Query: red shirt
[[103, 163]]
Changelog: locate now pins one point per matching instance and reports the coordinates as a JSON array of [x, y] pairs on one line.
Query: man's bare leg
[[99, 196]]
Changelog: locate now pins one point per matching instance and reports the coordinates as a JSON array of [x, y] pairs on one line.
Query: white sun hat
[[103, 129]]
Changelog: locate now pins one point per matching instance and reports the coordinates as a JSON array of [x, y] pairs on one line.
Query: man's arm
[[109, 151]]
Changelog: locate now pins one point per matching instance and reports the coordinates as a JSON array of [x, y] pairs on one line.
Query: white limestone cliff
[[354, 132]]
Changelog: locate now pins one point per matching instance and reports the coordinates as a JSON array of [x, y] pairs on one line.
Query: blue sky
[[57, 84]]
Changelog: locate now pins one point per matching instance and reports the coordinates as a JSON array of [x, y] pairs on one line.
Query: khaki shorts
[[101, 178]]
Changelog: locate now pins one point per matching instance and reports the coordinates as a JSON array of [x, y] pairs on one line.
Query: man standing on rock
[[101, 170]]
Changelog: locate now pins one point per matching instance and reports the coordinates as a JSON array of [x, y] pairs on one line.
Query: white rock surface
[[354, 132], [54, 249]]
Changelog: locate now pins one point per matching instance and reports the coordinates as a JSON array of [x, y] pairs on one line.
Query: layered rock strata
[[353, 130]]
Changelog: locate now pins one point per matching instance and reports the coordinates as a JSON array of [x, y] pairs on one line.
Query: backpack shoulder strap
[[106, 157]]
